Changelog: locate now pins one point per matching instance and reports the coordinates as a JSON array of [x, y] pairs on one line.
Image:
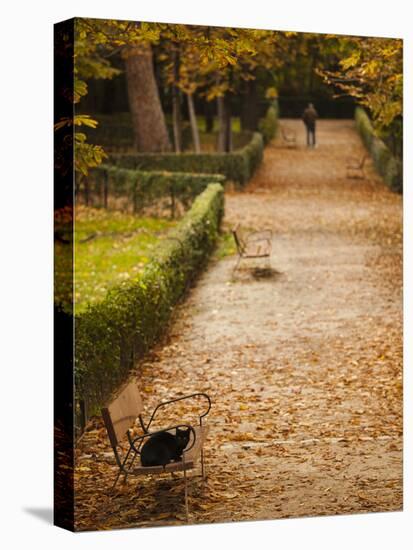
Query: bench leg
[[129, 467], [116, 480], [236, 265], [186, 496], [202, 464]]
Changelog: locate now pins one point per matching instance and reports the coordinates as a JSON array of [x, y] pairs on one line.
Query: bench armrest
[[175, 400]]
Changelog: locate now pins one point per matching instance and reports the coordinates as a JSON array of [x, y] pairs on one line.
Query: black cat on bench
[[174, 449], [162, 448]]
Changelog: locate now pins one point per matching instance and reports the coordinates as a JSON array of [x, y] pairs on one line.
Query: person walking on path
[[309, 117]]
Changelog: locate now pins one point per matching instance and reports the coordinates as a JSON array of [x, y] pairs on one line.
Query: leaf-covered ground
[[304, 365]]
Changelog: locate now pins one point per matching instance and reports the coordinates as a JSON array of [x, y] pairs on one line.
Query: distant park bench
[[289, 136], [121, 416], [355, 167], [257, 244]]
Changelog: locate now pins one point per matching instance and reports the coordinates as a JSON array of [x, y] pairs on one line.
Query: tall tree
[[133, 41], [249, 105], [238, 54], [148, 120], [176, 103]]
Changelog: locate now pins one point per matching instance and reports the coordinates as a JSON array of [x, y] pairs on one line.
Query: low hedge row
[[110, 335], [387, 165], [141, 189], [237, 166]]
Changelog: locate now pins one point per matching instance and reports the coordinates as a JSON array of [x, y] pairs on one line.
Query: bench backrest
[[122, 413]]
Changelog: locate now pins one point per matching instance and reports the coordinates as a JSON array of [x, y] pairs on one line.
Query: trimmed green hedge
[[112, 334], [237, 166], [387, 165], [141, 189], [268, 126]]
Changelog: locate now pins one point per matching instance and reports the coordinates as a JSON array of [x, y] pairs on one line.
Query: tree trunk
[[176, 119], [250, 107], [228, 128], [194, 124], [176, 107], [209, 117], [148, 119], [224, 120], [221, 123]]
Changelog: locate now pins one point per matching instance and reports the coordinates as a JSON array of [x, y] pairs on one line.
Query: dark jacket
[[309, 117]]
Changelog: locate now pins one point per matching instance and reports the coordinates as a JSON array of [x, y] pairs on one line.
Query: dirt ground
[[303, 365]]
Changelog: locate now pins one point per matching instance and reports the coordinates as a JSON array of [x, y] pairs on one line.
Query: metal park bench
[[122, 416], [355, 167], [257, 244], [289, 136]]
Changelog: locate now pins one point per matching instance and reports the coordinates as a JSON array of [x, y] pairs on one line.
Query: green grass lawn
[[119, 247], [235, 124]]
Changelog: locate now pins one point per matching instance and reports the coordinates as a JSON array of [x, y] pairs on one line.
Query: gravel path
[[304, 366]]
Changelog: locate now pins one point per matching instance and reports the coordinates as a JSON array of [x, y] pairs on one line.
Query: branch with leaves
[[372, 73]]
